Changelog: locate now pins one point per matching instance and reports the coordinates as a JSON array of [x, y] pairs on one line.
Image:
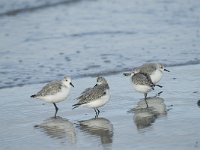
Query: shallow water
[[172, 120], [44, 40]]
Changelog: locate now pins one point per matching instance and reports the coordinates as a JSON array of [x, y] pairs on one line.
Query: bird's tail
[[33, 96], [75, 105]]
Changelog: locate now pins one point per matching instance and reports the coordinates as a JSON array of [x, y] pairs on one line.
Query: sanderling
[[95, 97], [142, 83], [55, 91], [154, 70]]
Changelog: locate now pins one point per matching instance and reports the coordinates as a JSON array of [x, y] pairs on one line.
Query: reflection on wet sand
[[100, 127], [58, 128], [144, 117], [198, 103]]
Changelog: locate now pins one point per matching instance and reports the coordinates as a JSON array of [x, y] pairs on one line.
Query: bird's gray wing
[[84, 93], [91, 94], [147, 68], [51, 88], [86, 90], [142, 79]]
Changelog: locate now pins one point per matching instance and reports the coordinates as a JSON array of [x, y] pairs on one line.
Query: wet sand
[[171, 122]]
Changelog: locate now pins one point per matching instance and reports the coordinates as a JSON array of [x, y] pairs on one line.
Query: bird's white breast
[[58, 97], [142, 88], [100, 101], [156, 76]]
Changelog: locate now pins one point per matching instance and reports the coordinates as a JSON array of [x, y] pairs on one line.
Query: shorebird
[[55, 91], [94, 97], [154, 70], [142, 83]]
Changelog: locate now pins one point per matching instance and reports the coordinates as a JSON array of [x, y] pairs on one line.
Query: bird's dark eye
[[66, 80]]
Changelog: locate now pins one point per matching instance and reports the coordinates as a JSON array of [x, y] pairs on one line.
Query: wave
[[102, 72], [31, 8]]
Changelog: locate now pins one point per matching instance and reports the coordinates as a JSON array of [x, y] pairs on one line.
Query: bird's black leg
[[158, 94], [160, 86], [56, 108], [145, 98], [98, 111], [95, 110]]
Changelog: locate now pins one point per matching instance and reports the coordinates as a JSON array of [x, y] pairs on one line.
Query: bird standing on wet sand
[[95, 97], [55, 91], [142, 83], [154, 70]]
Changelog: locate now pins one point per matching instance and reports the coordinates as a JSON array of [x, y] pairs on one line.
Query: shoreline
[[93, 75]]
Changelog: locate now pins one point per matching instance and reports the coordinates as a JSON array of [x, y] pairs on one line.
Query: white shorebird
[[154, 70], [55, 91], [142, 83], [95, 97]]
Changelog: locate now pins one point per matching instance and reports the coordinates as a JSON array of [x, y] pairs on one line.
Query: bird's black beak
[[166, 70], [71, 84], [96, 84]]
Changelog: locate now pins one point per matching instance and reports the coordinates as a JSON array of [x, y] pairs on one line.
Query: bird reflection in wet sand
[[99, 127], [144, 117], [58, 128]]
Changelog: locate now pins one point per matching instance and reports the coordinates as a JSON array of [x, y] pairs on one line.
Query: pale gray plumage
[[145, 68], [143, 83], [51, 88], [148, 68], [94, 93], [142, 79], [85, 91], [94, 97], [154, 70], [55, 91]]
